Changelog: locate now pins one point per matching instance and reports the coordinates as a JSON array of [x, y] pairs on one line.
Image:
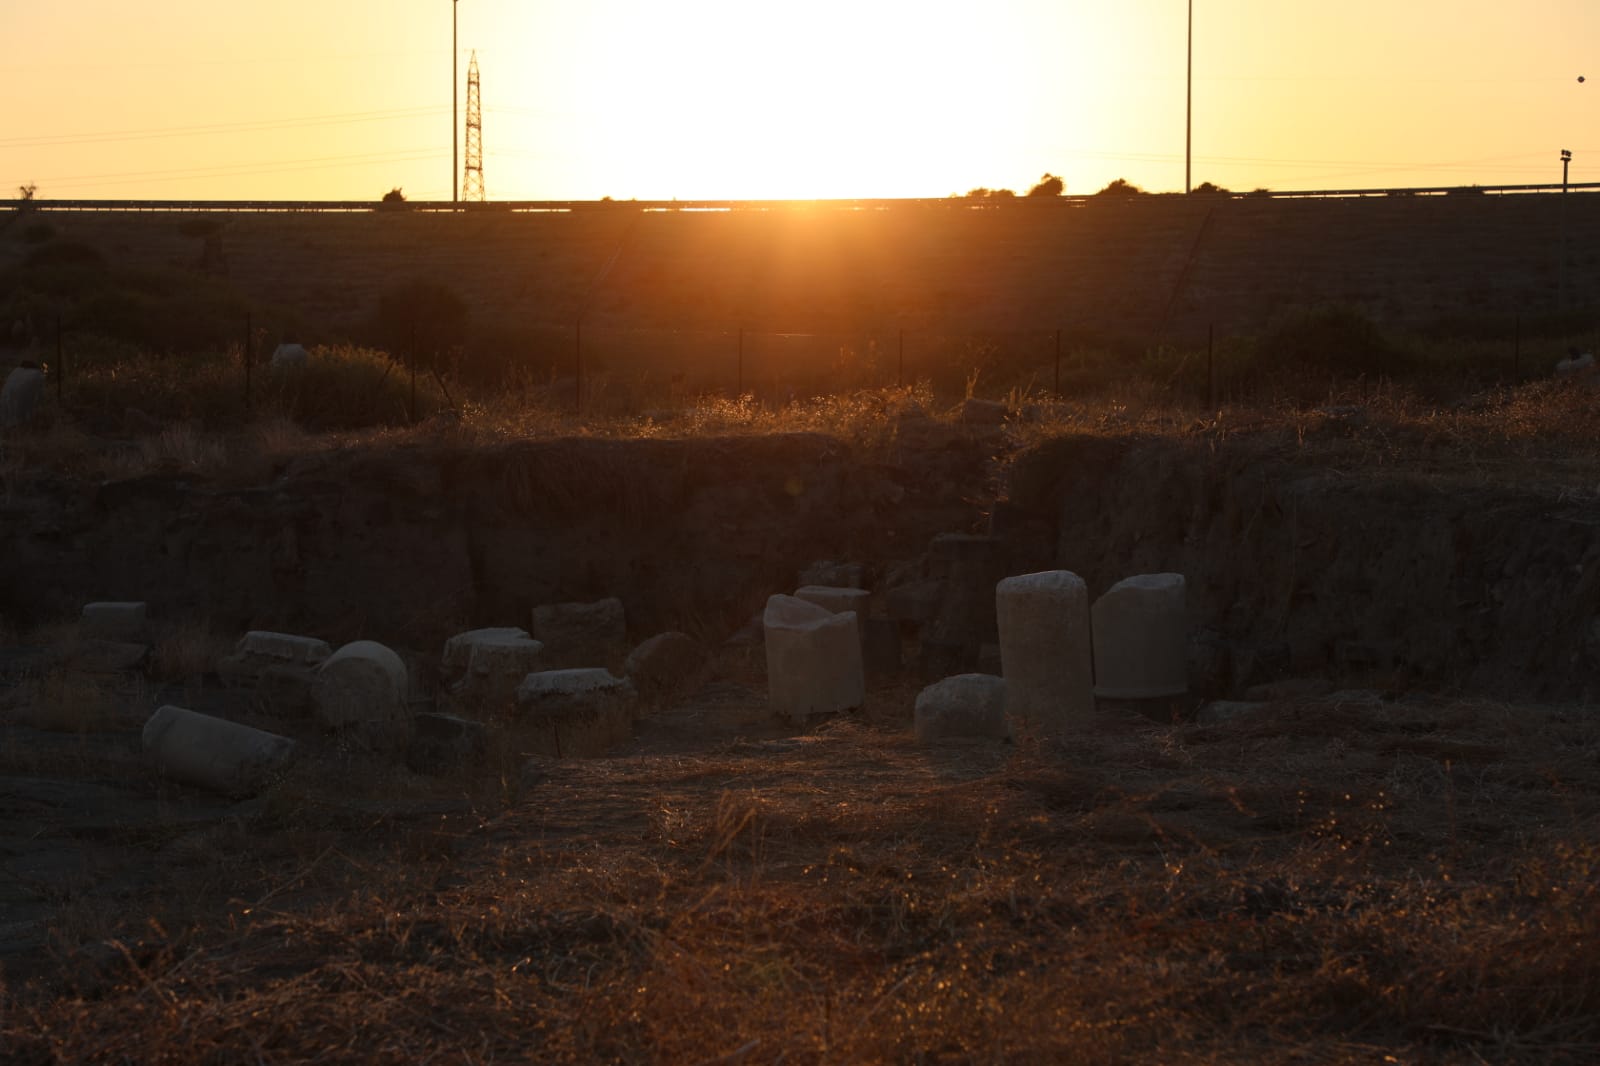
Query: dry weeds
[[1333, 882]]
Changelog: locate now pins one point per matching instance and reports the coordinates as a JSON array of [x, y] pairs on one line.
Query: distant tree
[[981, 193], [1262, 192], [1049, 185], [1120, 188], [28, 191], [393, 200], [1206, 188], [422, 318]]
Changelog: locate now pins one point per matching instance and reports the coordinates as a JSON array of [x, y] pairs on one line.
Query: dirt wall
[[1301, 567], [1296, 565]]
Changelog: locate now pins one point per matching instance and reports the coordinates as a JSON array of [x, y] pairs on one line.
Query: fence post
[[1516, 351], [249, 345], [61, 365], [1211, 367], [1058, 363], [411, 360]]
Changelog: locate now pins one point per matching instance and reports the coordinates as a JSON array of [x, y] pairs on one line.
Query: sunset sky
[[710, 99]]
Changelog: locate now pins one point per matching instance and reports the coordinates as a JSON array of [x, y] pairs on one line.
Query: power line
[[53, 140]]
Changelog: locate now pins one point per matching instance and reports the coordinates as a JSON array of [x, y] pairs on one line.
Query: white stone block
[[1044, 648], [114, 620], [967, 705], [212, 752], [363, 686], [282, 648], [837, 600], [20, 395], [1141, 639], [813, 659]]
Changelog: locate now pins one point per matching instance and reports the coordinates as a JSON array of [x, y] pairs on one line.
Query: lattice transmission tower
[[472, 179]]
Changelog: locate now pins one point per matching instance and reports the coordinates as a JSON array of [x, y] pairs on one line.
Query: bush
[[346, 387], [1331, 341], [426, 320], [1120, 189], [1049, 185]]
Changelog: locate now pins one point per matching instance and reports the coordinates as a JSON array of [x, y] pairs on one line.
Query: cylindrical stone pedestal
[[1044, 648], [214, 752], [1141, 639]]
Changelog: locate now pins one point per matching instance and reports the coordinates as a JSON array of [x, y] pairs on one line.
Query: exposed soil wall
[[411, 545], [1296, 565]]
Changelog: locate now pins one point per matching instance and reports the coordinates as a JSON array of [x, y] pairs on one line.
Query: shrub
[[1334, 341], [1049, 185], [1119, 189], [347, 387], [421, 319]]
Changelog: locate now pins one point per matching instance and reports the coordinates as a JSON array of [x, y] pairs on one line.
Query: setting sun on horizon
[[711, 99]]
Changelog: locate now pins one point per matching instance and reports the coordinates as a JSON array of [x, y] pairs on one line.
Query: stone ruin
[[1045, 648], [580, 711], [19, 396], [1141, 639], [581, 634], [813, 659], [481, 669], [963, 706], [214, 753]]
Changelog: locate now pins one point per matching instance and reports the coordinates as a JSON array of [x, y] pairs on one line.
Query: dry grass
[[1323, 883]]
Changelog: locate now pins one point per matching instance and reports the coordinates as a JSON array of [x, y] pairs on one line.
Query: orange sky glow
[[715, 99]]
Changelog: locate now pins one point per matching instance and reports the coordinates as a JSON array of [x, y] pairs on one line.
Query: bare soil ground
[[1350, 879]]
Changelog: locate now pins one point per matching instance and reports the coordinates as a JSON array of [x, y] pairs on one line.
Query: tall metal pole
[[455, 138], [1566, 159], [1188, 106]]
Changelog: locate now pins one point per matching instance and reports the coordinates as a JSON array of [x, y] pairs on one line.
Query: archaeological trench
[[1298, 571]]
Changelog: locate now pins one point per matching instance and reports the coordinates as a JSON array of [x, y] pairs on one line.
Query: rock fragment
[[967, 705]]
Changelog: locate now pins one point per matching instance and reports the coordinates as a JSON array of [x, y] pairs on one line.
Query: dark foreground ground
[[1352, 878]]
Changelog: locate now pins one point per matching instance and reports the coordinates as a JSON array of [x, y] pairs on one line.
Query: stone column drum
[[1141, 639], [1044, 648], [214, 753], [813, 659], [363, 686]]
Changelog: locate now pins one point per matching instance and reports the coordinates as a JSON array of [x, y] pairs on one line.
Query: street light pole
[[1566, 160], [455, 138], [1188, 106]]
